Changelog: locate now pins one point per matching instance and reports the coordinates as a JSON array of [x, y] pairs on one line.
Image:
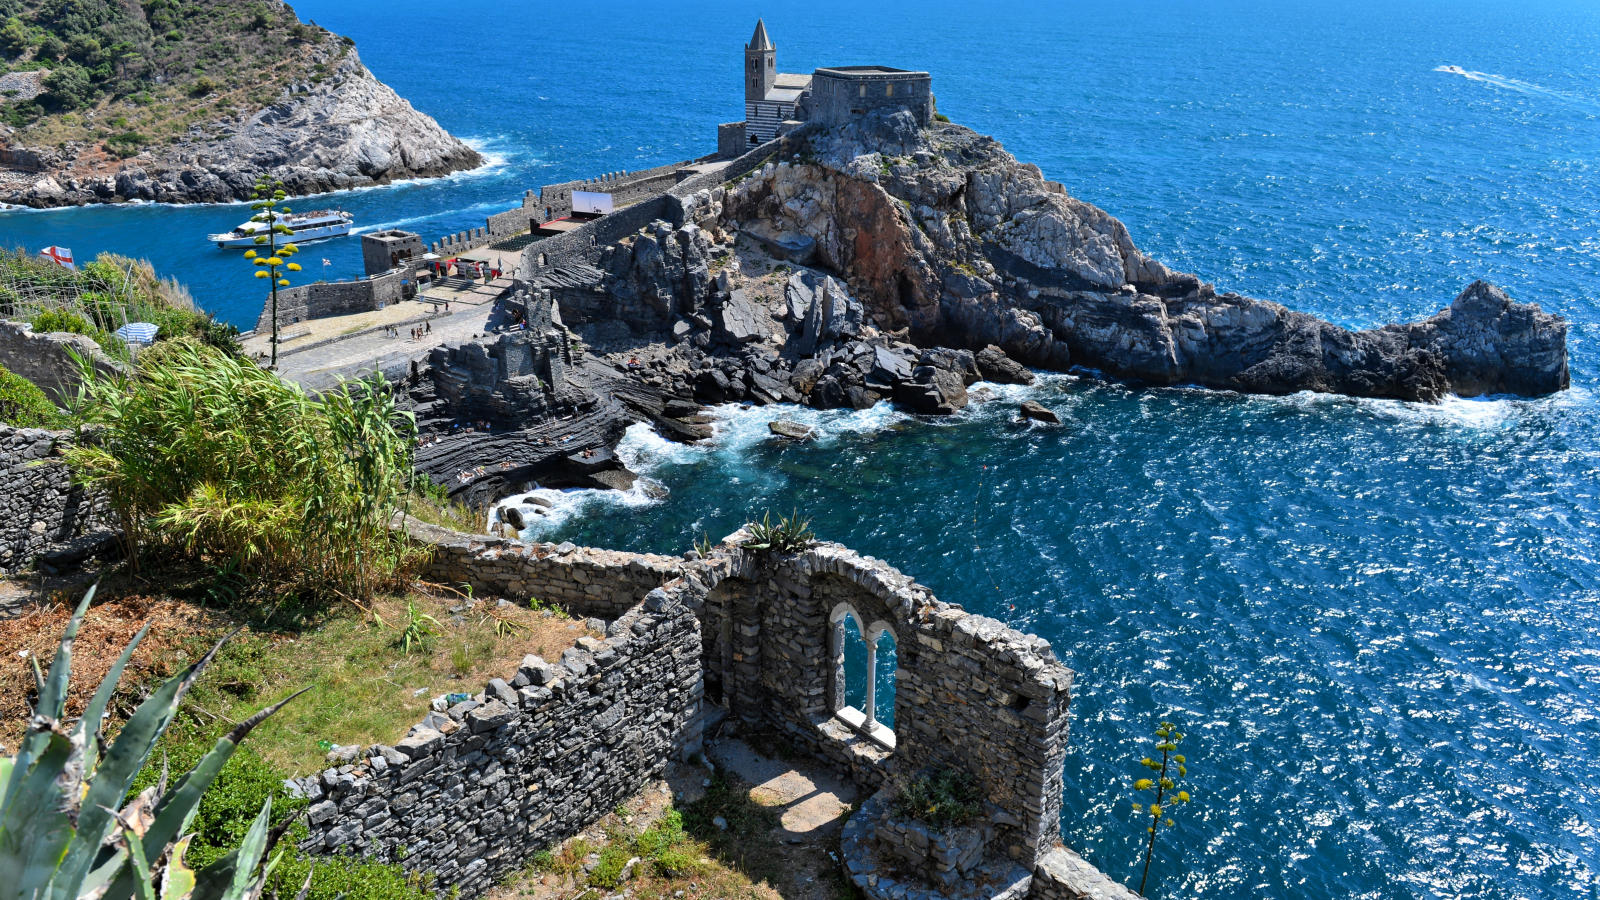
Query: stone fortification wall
[[333, 298], [554, 201], [582, 245], [46, 359], [470, 793], [40, 508]]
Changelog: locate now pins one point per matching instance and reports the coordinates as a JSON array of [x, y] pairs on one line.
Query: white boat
[[308, 228]]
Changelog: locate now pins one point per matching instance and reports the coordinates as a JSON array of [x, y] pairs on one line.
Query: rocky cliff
[[950, 241], [345, 129]]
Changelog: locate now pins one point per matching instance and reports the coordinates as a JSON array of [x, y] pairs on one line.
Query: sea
[[1378, 623]]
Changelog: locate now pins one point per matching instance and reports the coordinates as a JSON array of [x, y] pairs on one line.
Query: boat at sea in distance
[[308, 228]]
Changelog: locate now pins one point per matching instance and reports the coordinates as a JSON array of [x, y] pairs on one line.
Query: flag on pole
[[61, 256]]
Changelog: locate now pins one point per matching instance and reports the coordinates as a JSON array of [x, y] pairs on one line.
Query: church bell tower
[[760, 64]]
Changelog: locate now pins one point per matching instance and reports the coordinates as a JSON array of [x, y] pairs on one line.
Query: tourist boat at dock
[[308, 228]]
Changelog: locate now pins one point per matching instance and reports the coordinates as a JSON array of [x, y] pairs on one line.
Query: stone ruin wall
[[766, 626], [46, 358], [470, 793], [40, 508], [530, 761]]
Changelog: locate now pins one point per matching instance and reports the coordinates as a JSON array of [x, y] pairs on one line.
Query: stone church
[[775, 102]]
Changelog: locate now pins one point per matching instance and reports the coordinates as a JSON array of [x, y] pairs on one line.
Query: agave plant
[[790, 534], [67, 829]]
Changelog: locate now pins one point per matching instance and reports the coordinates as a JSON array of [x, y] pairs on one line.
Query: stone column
[[872, 683]]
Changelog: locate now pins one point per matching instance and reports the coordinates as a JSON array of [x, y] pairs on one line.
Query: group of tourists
[[417, 333]]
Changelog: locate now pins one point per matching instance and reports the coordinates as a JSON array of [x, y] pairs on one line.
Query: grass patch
[[674, 856], [365, 687]]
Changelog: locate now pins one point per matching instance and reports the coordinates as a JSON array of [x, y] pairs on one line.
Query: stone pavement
[[318, 365], [814, 802]]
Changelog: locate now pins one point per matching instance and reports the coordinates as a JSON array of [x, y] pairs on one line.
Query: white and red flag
[[61, 256]]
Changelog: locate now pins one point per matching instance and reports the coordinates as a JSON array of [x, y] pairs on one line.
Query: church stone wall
[[840, 95]]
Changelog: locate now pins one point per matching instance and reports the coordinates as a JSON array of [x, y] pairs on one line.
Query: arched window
[[864, 662]]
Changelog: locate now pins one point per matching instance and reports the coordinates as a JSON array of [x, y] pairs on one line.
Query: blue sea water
[[1379, 622]]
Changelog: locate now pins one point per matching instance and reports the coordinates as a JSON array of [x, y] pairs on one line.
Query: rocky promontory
[[942, 233], [332, 126]]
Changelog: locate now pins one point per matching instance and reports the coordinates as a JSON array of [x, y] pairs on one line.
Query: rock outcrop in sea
[[347, 130], [942, 233]]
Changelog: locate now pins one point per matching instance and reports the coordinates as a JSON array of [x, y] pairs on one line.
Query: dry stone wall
[[1064, 875], [582, 580], [473, 791], [40, 508]]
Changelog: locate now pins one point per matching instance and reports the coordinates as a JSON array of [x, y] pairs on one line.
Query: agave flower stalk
[[269, 196], [1168, 770]]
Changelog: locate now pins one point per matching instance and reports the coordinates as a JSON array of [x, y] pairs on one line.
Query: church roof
[[759, 40]]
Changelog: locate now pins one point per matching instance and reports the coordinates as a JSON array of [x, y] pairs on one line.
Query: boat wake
[[1519, 86]]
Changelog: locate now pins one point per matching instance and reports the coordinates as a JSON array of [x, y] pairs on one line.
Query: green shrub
[[23, 405], [67, 87], [49, 320], [242, 787], [212, 455], [126, 143], [944, 799], [607, 873]]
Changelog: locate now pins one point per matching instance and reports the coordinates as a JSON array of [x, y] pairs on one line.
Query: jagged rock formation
[[942, 233], [348, 130]]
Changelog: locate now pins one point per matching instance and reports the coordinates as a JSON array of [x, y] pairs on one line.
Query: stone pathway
[[320, 367]]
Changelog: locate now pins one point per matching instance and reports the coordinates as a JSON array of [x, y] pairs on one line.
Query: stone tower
[[760, 64]]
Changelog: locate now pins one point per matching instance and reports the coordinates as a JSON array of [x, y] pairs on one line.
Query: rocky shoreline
[[345, 131]]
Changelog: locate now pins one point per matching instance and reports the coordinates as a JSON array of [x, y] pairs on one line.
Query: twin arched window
[[864, 664]]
